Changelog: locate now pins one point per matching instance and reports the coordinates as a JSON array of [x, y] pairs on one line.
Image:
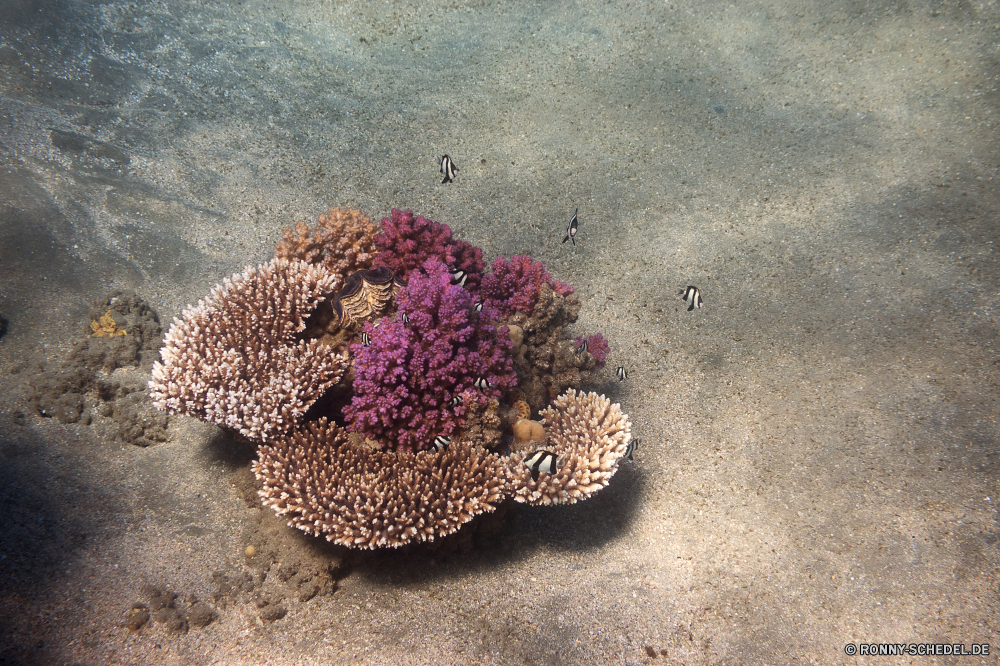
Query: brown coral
[[235, 360], [526, 431], [342, 242], [548, 362], [367, 498], [589, 435]]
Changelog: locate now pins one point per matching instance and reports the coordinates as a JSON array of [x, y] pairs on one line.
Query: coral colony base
[[389, 381]]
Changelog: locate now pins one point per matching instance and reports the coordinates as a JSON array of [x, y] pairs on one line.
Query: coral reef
[[423, 422], [550, 362], [589, 435], [342, 242], [365, 498], [407, 241], [234, 359], [407, 380]]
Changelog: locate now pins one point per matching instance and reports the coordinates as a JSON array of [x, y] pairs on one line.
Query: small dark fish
[[457, 400], [482, 383], [541, 461], [632, 446], [478, 306], [441, 442], [622, 373], [582, 348], [458, 276], [571, 229], [366, 341], [405, 318], [448, 168], [692, 293]]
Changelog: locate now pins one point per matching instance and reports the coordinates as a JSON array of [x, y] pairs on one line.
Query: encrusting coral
[[234, 359], [383, 386]]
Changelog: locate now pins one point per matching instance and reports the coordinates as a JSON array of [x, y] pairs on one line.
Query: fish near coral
[[406, 379], [406, 241]]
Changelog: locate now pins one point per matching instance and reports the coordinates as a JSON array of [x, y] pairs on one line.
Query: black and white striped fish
[[692, 294], [582, 348], [478, 306], [541, 461], [456, 401], [482, 383], [632, 446], [458, 276], [366, 341], [448, 168], [441, 442], [621, 372], [571, 229]]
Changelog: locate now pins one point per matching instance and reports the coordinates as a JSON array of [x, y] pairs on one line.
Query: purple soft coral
[[597, 346], [407, 241], [514, 285], [407, 380]]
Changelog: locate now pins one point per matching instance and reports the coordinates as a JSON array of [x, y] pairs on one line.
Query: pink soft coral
[[439, 349], [407, 241], [514, 286], [597, 346]]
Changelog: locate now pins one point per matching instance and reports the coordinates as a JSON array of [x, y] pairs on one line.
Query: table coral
[[407, 379], [365, 498], [234, 359], [589, 436]]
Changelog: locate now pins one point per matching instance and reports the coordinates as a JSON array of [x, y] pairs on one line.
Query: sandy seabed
[[819, 463]]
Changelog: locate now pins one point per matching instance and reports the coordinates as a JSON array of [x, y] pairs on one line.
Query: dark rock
[[200, 615], [273, 613]]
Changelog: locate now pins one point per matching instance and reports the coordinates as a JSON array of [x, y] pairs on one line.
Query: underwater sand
[[819, 462]]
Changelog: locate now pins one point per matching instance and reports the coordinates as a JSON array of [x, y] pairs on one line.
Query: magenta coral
[[438, 349], [597, 346], [514, 286], [407, 241]]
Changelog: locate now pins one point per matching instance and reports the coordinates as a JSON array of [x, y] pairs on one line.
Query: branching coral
[[342, 242], [366, 498], [407, 241], [234, 358], [597, 347], [589, 435], [514, 286], [415, 380]]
